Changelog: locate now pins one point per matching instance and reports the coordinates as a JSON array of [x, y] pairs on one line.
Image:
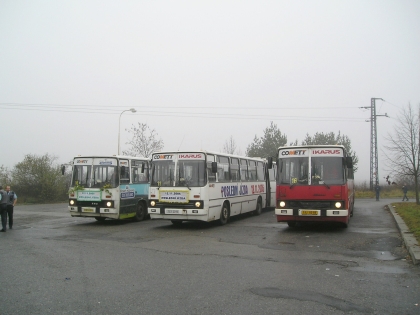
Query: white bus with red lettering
[[208, 186], [314, 183]]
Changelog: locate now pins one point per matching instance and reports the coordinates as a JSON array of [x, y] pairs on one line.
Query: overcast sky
[[199, 72]]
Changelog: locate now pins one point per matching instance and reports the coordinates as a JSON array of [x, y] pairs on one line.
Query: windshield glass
[[327, 170], [81, 175], [189, 173], [323, 170], [102, 175], [294, 170]]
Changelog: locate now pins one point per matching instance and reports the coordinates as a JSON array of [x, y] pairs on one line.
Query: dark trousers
[[3, 212], [10, 215]]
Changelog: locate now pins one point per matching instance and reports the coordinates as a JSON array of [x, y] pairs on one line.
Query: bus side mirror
[[349, 162], [63, 169], [214, 167], [270, 162]]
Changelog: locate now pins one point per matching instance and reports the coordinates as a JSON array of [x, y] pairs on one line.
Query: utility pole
[[374, 174]]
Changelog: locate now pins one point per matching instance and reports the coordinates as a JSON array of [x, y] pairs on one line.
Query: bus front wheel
[[140, 212], [224, 214], [100, 219], [291, 223]]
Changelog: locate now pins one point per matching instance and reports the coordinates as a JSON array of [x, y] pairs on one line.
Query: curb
[[409, 240]]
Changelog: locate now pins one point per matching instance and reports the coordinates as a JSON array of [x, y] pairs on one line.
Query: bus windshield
[[189, 173], [97, 176], [321, 170]]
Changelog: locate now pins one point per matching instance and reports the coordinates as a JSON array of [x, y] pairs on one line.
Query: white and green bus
[[208, 186], [114, 187]]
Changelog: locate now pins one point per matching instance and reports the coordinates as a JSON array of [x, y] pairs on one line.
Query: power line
[[204, 115], [96, 109]]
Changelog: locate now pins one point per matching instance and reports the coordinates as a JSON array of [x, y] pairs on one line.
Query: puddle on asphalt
[[383, 255], [339, 304], [372, 231], [379, 269]]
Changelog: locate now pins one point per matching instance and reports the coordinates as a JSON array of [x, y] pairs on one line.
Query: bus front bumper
[[286, 215]]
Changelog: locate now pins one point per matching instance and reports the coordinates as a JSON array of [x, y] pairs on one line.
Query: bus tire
[[141, 212], [224, 214], [176, 222], [291, 223], [258, 210], [100, 219]]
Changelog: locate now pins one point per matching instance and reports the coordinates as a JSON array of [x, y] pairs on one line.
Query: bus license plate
[[172, 211], [88, 210], [309, 212]]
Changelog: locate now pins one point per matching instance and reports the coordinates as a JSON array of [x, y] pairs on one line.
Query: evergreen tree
[[268, 144], [331, 138]]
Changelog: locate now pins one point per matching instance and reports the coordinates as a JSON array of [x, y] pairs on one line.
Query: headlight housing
[[282, 204], [153, 203], [72, 202], [338, 204], [198, 204]]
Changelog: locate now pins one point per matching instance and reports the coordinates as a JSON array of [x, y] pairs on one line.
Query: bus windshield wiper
[[324, 183]]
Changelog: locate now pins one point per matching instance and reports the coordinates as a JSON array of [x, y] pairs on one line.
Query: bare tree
[[229, 146], [144, 141], [402, 153]]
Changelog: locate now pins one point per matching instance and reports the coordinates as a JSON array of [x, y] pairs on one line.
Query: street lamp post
[[119, 125]]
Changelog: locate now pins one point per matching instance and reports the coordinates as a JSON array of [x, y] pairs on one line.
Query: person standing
[[405, 190], [377, 190], [3, 208], [11, 202]]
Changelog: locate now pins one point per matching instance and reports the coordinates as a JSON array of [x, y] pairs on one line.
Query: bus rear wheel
[[140, 212], [224, 215], [258, 210]]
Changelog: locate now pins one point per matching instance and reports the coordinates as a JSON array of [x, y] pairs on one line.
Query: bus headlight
[[338, 205], [71, 202], [153, 203], [198, 204], [282, 204], [109, 204]]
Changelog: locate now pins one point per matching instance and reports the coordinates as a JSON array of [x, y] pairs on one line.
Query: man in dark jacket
[[405, 190], [11, 202], [3, 208], [377, 190]]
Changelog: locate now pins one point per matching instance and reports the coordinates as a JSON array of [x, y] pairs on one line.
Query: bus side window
[[137, 175], [223, 173], [252, 169], [210, 174], [234, 169], [244, 170], [260, 171], [124, 172]]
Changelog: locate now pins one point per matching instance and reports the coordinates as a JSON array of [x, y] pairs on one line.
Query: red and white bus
[[208, 186], [314, 183]]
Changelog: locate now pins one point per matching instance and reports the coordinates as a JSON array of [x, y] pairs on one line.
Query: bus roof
[[210, 152], [113, 157], [316, 146]]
